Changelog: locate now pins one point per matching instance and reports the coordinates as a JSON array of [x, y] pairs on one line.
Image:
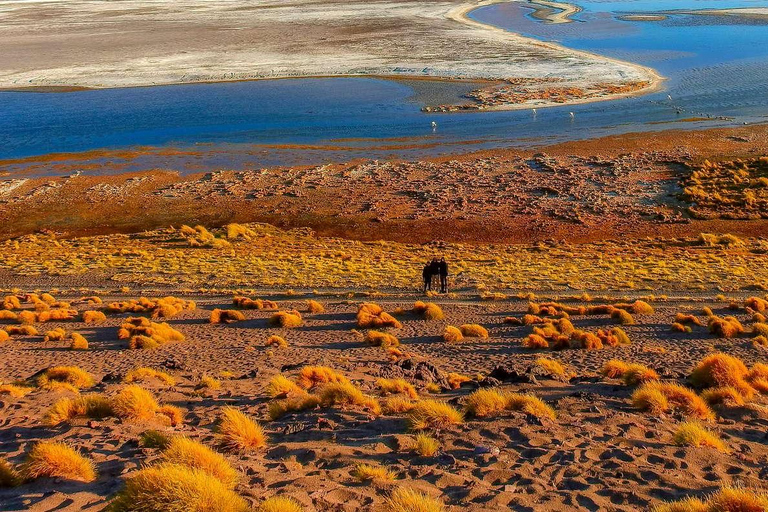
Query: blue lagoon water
[[715, 66]]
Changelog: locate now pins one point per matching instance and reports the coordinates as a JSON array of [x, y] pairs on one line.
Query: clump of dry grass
[[372, 316], [286, 319], [614, 369], [246, 303], [9, 476], [397, 386], [276, 341], [145, 374], [756, 304], [686, 319], [296, 403], [727, 499], [279, 504], [678, 327], [553, 368], [347, 394], [187, 452], [758, 378], [90, 406], [636, 374], [281, 386], [315, 307], [725, 395], [381, 339], [57, 334], [208, 382], [623, 316], [94, 317], [425, 445], [727, 327], [485, 402], [170, 487], [239, 432], [428, 310], [24, 330], [311, 376], [10, 302], [55, 459], [154, 439], [662, 397], [720, 370], [529, 404], [143, 333], [78, 342], [14, 390], [455, 380], [693, 434], [452, 334], [474, 331], [397, 405], [166, 307], [225, 316], [404, 499], [433, 415], [134, 403], [72, 375], [366, 472]]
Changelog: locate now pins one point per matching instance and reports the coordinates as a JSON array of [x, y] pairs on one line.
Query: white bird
[[669, 97], [572, 115], [534, 111], [434, 125]]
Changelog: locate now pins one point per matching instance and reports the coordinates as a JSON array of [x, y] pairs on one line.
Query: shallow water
[[715, 65]]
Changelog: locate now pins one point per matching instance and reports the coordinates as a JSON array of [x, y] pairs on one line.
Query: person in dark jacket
[[427, 276], [442, 270]]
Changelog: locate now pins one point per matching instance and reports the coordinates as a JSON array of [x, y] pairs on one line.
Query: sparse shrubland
[[661, 397], [54, 459], [239, 432], [433, 415], [372, 316]]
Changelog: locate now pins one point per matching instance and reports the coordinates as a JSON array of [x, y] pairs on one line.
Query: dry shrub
[[225, 316], [404, 499], [9, 476], [684, 319], [286, 319], [208, 382], [366, 472], [94, 317], [757, 304], [381, 339], [760, 342], [661, 397], [171, 414], [146, 334], [144, 374], [426, 445], [311, 376], [280, 504], [535, 341], [246, 303], [239, 432], [759, 329], [636, 374], [452, 334], [54, 459], [187, 452], [678, 327], [552, 367], [71, 375], [14, 390], [276, 341], [727, 499], [510, 320], [26, 317], [347, 394], [154, 439], [24, 330], [176, 488], [638, 307], [433, 415], [397, 386], [728, 327], [281, 386], [758, 378], [57, 334], [8, 316], [474, 331], [292, 404], [78, 342], [485, 402], [4, 336], [588, 340], [315, 307], [372, 316], [726, 395], [166, 307], [693, 434], [532, 320], [719, 370], [455, 380], [624, 317], [614, 369], [10, 302], [134, 403], [529, 404], [89, 406], [428, 310], [397, 405]]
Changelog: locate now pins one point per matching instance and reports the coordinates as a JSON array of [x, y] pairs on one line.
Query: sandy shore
[[138, 43]]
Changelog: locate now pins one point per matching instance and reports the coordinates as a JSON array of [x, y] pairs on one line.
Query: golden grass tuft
[[367, 472], [678, 327], [347, 394], [425, 445], [397, 386], [208, 382], [24, 330], [433, 415], [757, 304], [455, 380], [4, 336], [404, 499], [7, 315], [727, 327], [172, 414], [154, 439], [78, 342], [55, 459], [134, 403], [146, 334], [281, 386], [302, 402], [719, 370], [535, 341], [624, 317], [661, 397], [239, 432], [724, 395], [636, 374], [246, 303], [311, 376], [71, 375], [428, 310], [13, 390], [552, 367], [397, 405], [315, 307], [381, 339], [286, 319], [280, 504], [276, 341], [145, 374], [89, 406], [474, 331], [452, 334], [225, 316], [693, 434], [372, 316], [9, 476], [614, 369], [94, 317], [485, 402], [727, 499], [176, 488], [187, 452], [529, 404], [57, 334]]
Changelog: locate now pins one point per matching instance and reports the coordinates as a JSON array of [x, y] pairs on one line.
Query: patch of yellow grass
[[372, 316], [286, 319], [404, 499], [381, 339], [433, 415], [636, 374], [71, 375], [624, 317], [24, 330], [280, 504], [172, 414], [176, 488], [485, 402], [452, 334], [247, 303], [397, 405], [55, 459], [474, 331], [455, 380], [276, 341], [311, 376], [208, 382], [347, 394], [661, 397], [425, 445], [57, 334], [529, 404], [187, 452], [724, 395], [94, 317], [66, 409], [144, 374], [365, 472], [728, 327], [78, 342], [281, 386], [225, 316], [315, 307], [301, 402], [722, 370], [614, 369], [239, 432], [134, 403], [9, 476], [552, 367], [397, 386], [14, 390], [428, 310], [693, 434], [727, 499]]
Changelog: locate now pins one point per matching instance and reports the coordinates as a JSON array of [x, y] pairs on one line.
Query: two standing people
[[436, 268]]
